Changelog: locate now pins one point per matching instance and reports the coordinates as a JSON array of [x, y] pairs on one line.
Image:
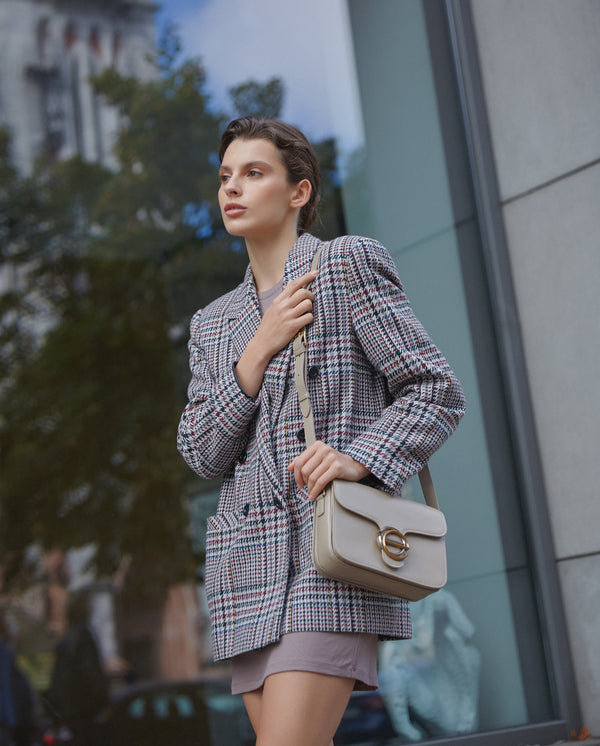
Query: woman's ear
[[301, 193]]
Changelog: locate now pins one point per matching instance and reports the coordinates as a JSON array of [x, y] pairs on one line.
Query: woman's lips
[[232, 209]]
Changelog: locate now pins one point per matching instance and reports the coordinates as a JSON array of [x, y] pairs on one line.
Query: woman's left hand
[[320, 464]]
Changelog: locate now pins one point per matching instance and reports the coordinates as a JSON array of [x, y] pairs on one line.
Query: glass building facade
[[126, 244]]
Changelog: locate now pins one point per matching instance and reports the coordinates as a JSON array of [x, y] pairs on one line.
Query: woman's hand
[[289, 312], [320, 464]]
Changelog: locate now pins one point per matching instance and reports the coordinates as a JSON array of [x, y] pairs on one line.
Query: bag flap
[[407, 516]]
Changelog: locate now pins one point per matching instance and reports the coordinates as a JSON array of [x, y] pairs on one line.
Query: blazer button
[[242, 457], [277, 503], [313, 371], [301, 435]]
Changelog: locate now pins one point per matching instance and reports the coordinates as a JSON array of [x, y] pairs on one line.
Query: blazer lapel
[[244, 314], [244, 311], [244, 319], [279, 374]]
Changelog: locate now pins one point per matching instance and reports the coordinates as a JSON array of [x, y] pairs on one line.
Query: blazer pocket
[[247, 566], [221, 531]]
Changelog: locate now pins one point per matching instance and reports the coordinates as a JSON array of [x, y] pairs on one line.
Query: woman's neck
[[268, 258]]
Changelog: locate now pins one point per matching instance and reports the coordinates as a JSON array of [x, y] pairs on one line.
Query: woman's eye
[[253, 173], [223, 178]]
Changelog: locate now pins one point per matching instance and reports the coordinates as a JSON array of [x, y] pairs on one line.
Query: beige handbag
[[368, 538]]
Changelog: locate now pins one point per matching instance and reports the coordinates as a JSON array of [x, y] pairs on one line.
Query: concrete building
[[48, 51]]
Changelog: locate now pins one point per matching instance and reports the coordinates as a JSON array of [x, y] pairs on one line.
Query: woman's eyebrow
[[246, 166]]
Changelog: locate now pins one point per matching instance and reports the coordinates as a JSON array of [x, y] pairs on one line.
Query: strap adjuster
[[302, 335]]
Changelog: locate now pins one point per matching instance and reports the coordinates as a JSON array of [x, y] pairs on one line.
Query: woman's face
[[256, 199]]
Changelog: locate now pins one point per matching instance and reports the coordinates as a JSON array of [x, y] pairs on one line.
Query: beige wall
[[540, 63]]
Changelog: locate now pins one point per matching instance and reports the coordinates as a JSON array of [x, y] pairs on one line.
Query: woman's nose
[[232, 186]]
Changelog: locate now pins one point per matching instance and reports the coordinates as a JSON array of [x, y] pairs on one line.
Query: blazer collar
[[300, 257]]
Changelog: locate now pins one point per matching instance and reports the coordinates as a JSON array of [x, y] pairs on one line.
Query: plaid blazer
[[381, 392]]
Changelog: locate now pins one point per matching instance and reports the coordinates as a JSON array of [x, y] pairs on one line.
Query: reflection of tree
[[331, 208], [90, 402], [101, 271], [253, 99]]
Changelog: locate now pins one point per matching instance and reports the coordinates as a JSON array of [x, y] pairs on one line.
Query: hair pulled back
[[297, 154]]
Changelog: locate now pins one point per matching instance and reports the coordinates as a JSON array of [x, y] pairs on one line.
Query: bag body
[[368, 538]]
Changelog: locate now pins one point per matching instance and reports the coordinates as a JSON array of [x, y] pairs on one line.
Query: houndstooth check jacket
[[381, 392]]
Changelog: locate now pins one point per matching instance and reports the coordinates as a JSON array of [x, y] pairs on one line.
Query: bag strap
[[300, 347]]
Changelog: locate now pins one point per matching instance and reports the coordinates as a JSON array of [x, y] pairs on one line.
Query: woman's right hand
[[288, 314]]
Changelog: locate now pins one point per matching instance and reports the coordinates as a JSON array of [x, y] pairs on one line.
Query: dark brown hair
[[297, 154]]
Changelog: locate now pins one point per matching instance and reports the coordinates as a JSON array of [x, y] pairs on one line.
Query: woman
[[384, 400]]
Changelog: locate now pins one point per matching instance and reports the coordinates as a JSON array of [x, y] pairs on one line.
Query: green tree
[[253, 99], [101, 287], [331, 209]]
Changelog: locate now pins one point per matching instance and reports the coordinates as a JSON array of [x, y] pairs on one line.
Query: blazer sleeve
[[427, 401], [213, 426]]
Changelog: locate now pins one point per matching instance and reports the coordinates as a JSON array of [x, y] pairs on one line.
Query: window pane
[[428, 222]]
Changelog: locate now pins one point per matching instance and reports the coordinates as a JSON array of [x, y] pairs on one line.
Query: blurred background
[[461, 134]]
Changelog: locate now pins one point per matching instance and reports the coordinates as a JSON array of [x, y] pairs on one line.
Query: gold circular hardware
[[302, 335], [393, 543]]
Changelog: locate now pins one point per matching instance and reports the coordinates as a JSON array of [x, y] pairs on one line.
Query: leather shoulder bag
[[366, 537]]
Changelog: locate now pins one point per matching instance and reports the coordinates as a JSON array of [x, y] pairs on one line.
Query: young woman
[[384, 400]]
